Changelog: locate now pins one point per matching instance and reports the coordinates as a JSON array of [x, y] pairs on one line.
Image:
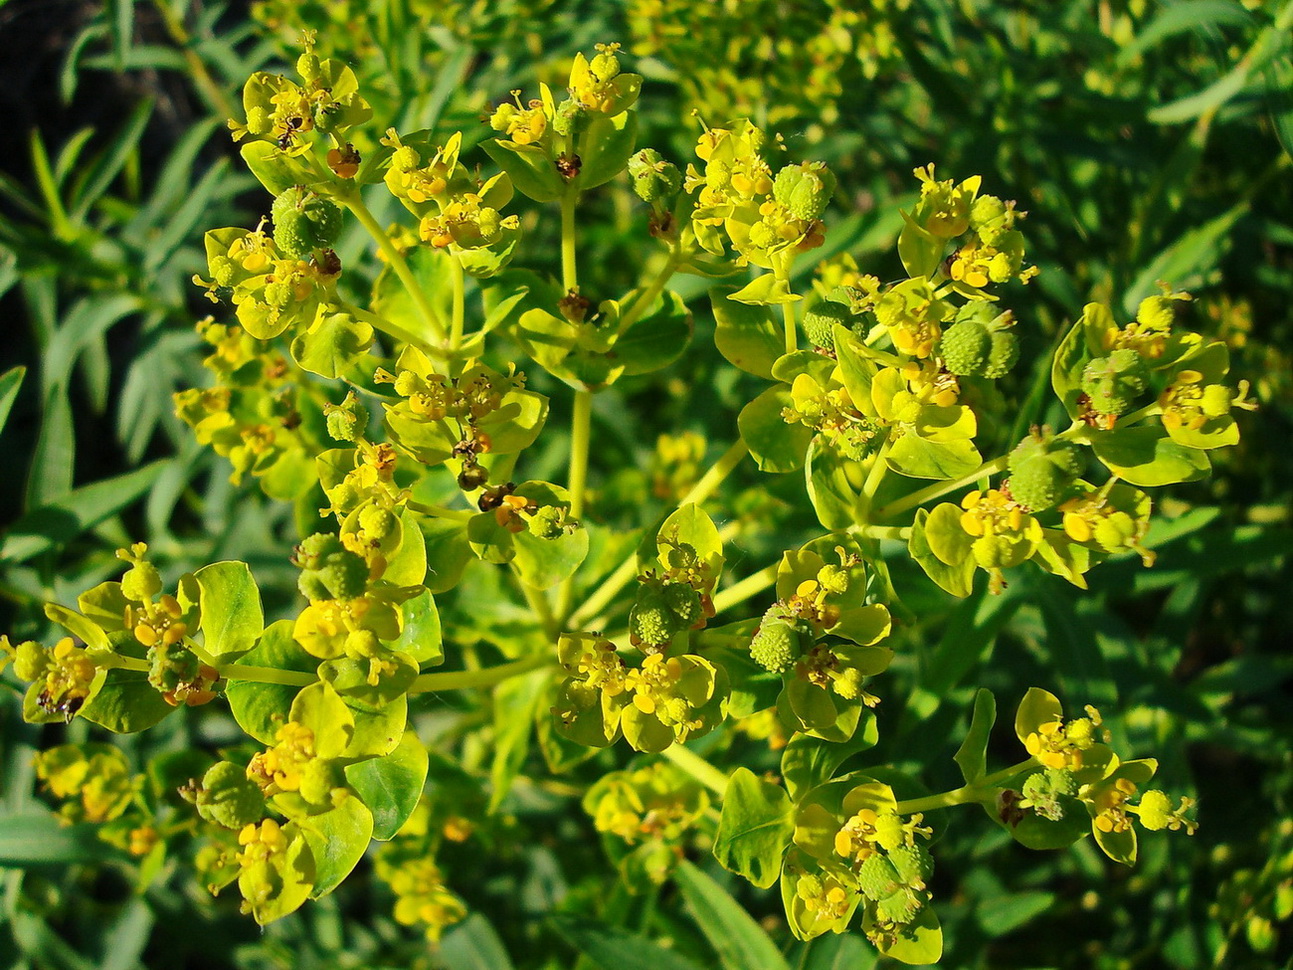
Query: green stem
[[939, 489], [441, 511], [1148, 411], [980, 791], [628, 569], [569, 273], [792, 333], [749, 586], [459, 303], [484, 677], [698, 768], [580, 436], [875, 475], [648, 296], [355, 203], [538, 602], [901, 533]]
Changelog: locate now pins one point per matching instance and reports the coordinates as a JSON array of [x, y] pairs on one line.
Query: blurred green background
[[1147, 140]]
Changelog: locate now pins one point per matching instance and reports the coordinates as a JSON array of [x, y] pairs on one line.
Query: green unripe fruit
[[833, 579], [345, 575], [30, 661], [315, 549], [989, 216], [805, 189], [651, 624], [344, 497], [228, 797], [141, 583], [318, 779], [1113, 383], [913, 864], [1003, 354], [684, 602], [377, 521], [654, 179], [847, 683], [304, 222], [681, 556], [900, 907], [171, 666], [965, 348], [569, 117], [1155, 810], [777, 643], [818, 323], [342, 426], [878, 878], [1041, 471], [312, 587]]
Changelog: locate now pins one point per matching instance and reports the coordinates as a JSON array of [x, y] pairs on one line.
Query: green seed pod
[[304, 222], [777, 643], [377, 521], [345, 575], [1042, 470], [342, 425], [965, 348], [312, 587], [170, 666], [805, 189], [684, 602], [900, 907], [913, 864], [315, 549], [569, 117], [1037, 788], [652, 625], [228, 797], [344, 497], [30, 661], [878, 878], [818, 323], [681, 556], [1113, 383], [654, 179], [1002, 355]]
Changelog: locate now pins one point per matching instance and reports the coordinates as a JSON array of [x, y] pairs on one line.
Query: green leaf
[[754, 829], [1146, 456], [10, 382], [604, 149], [956, 578], [1037, 708], [918, 457], [229, 601], [273, 169], [261, 709], [338, 840], [34, 838], [1001, 914], [76, 512], [515, 703], [740, 941], [919, 942], [1187, 261], [332, 345], [808, 762], [921, 252], [420, 636], [616, 949], [529, 167], [391, 785], [126, 703], [377, 730], [749, 337], [406, 565], [972, 755], [473, 945], [830, 478], [657, 339], [766, 290], [775, 445]]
